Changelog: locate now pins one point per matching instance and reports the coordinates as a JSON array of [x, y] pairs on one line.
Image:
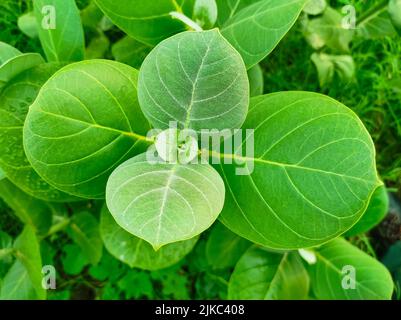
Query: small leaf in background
[[2, 174], [315, 7], [97, 47], [328, 30], [205, 13], [376, 25], [6, 258], [73, 259], [164, 203], [27, 24], [224, 248], [7, 52], [257, 29], [196, 79], [85, 122], [256, 81], [27, 251], [394, 9], [376, 211], [60, 30], [15, 100], [91, 16], [137, 252], [136, 284], [329, 65], [343, 272], [146, 21], [29, 210], [18, 64], [84, 230], [130, 51], [264, 275], [108, 268]]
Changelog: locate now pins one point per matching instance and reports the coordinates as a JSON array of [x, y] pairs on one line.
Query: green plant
[[303, 174]]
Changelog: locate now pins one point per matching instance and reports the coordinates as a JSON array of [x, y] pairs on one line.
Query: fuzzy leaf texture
[[138, 253], [164, 203], [196, 79]]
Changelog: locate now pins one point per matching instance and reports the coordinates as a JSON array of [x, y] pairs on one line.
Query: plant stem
[[57, 227], [372, 11], [189, 22]]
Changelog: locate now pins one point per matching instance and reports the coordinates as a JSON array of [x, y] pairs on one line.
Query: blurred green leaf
[[394, 9], [256, 81], [129, 51], [315, 7], [73, 259], [205, 13], [17, 285], [84, 229], [28, 24], [136, 284]]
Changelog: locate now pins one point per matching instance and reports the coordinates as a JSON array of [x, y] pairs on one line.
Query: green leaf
[[329, 65], [60, 32], [28, 25], [85, 121], [7, 52], [196, 79], [308, 148], [146, 21], [330, 276], [315, 7], [328, 30], [6, 250], [136, 252], [98, 47], [164, 203], [257, 29], [84, 230], [28, 252], [73, 259], [376, 25], [18, 64], [205, 13], [394, 9], [91, 16], [2, 174], [129, 51], [376, 211], [256, 81], [261, 274], [224, 248], [226, 9], [17, 285], [15, 100], [29, 210]]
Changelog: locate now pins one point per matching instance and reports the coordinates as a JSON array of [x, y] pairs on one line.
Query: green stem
[[57, 227], [187, 21], [372, 11]]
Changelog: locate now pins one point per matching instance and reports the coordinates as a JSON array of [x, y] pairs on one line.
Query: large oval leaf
[[196, 79], [164, 203], [313, 172], [338, 264], [137, 252], [85, 122], [257, 29], [15, 100], [60, 29], [147, 21], [261, 274]]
